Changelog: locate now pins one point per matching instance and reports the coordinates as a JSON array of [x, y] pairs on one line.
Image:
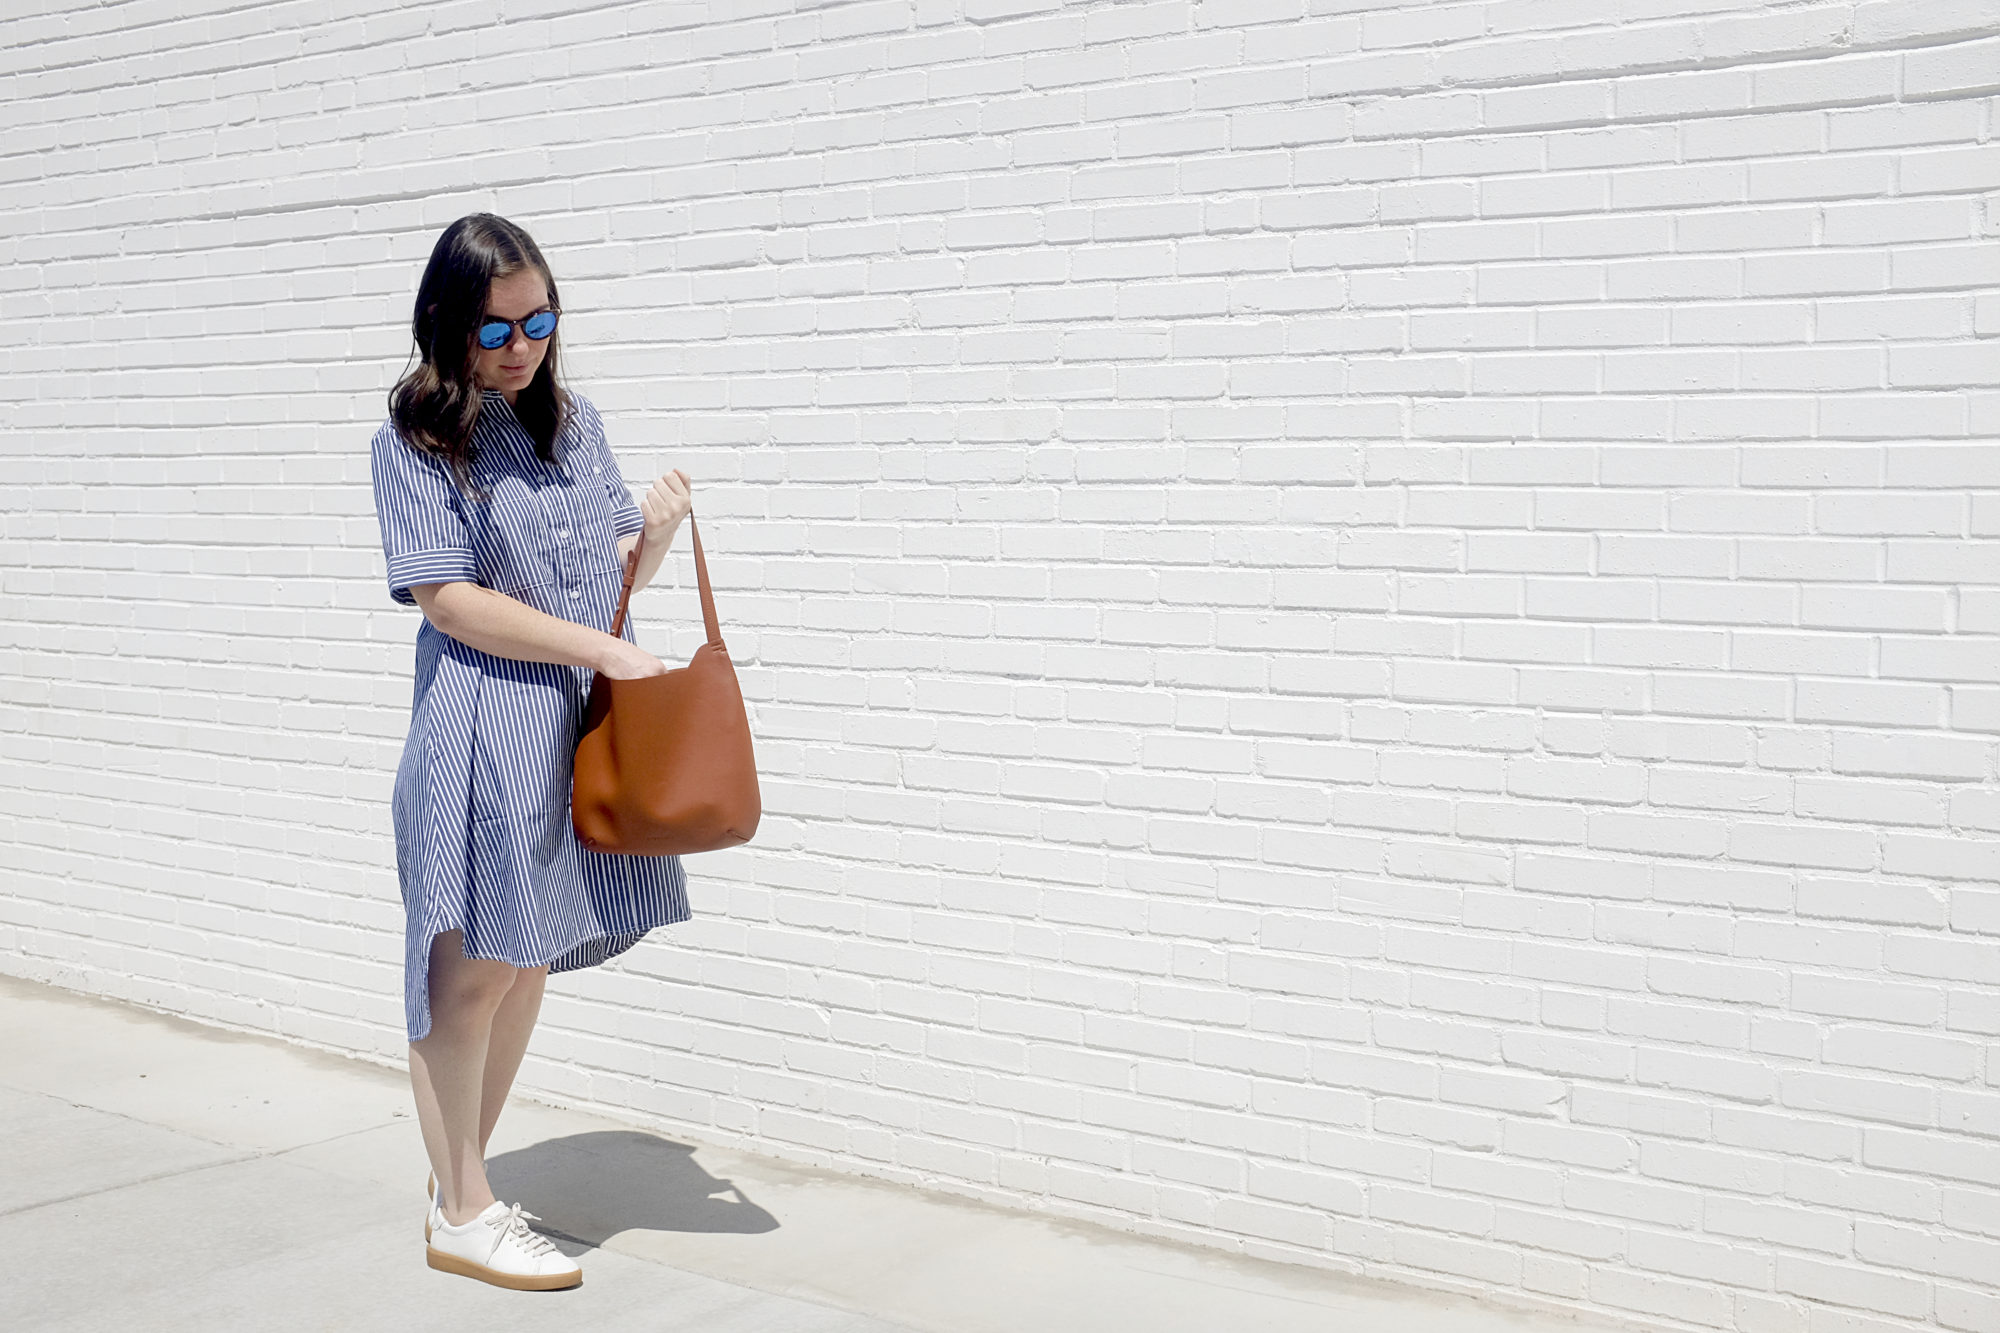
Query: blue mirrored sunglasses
[[497, 333]]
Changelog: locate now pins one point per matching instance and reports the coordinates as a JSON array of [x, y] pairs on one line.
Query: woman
[[504, 518]]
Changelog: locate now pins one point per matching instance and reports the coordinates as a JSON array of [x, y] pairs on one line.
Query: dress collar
[[494, 405]]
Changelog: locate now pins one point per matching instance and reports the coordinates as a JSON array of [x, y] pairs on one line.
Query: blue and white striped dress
[[481, 802]]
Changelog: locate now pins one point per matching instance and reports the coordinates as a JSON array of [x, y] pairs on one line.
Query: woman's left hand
[[669, 501]]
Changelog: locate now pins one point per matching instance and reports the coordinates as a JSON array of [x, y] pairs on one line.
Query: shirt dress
[[481, 802]]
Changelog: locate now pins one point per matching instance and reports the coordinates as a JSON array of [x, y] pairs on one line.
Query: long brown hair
[[436, 403]]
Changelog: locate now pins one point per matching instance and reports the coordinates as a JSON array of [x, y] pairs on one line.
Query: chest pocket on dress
[[509, 528]]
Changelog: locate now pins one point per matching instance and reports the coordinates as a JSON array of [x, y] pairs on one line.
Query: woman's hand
[[628, 661], [669, 501]]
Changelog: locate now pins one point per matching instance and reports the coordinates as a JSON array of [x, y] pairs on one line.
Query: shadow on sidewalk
[[590, 1187]]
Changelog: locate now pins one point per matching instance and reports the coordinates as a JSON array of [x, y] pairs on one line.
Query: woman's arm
[[496, 623], [664, 505], [649, 563]]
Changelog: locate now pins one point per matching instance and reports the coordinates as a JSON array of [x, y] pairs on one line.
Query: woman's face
[[510, 367]]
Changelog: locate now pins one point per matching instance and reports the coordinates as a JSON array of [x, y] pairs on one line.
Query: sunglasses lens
[[495, 335], [540, 324]]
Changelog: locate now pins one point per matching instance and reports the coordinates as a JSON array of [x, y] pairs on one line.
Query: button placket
[[567, 559]]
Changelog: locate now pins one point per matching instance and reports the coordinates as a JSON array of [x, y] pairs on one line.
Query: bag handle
[[708, 619]]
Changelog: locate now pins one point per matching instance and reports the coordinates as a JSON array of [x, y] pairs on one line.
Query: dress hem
[[632, 939]]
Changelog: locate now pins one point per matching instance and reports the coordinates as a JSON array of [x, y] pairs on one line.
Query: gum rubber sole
[[451, 1263]]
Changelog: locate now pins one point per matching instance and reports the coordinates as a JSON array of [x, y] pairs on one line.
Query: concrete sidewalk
[[158, 1174]]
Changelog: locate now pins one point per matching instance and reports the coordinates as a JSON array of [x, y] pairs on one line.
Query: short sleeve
[[626, 517], [425, 537]]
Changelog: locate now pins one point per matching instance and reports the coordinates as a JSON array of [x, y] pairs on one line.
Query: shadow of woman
[[587, 1188]]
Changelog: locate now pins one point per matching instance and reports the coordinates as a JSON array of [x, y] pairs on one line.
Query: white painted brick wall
[[1373, 626]]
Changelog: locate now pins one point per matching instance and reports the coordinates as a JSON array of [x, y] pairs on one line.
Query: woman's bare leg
[[448, 1072], [513, 1024]]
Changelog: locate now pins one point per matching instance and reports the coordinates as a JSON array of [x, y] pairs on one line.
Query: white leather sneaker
[[499, 1247]]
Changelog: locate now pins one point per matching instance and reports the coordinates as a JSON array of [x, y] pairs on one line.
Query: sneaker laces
[[515, 1224]]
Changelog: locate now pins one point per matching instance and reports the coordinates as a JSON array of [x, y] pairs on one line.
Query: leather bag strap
[[708, 619]]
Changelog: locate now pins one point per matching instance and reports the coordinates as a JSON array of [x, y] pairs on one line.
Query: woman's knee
[[475, 992], [460, 984]]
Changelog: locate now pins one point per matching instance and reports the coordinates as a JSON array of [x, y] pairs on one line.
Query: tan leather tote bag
[[664, 764]]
